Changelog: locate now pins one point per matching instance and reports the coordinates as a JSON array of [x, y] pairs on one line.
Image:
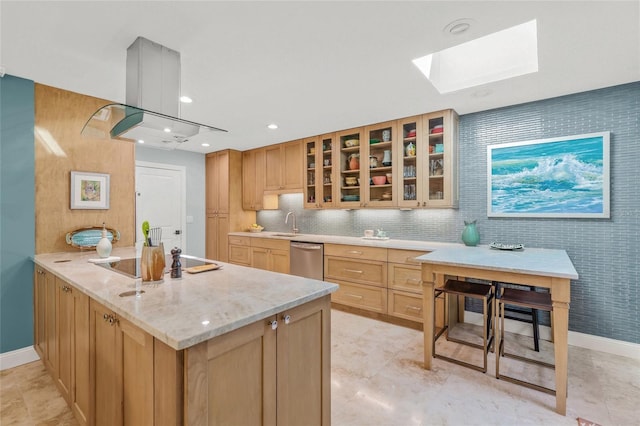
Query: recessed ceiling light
[[272, 126], [185, 99], [458, 26], [205, 144], [140, 141]]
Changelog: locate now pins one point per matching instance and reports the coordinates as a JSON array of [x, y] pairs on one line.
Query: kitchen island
[[233, 345], [551, 269]]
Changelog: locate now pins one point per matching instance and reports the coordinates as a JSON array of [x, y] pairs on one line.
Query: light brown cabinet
[[253, 172], [270, 254], [240, 250], [224, 202], [122, 367], [283, 167], [405, 285], [380, 140], [428, 156], [319, 190], [275, 372], [350, 177], [72, 328], [45, 319]]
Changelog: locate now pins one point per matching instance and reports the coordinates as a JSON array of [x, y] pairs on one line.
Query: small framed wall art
[[564, 177], [89, 190]]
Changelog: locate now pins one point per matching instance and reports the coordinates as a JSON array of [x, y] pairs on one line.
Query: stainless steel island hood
[[152, 96]]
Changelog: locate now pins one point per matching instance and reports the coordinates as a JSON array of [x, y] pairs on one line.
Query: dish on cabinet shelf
[[350, 198], [351, 143]]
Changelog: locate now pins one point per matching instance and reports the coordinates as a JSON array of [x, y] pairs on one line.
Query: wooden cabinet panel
[[240, 255], [356, 252], [405, 256], [359, 271], [270, 254], [253, 179], [239, 241], [405, 277], [260, 258], [279, 261], [361, 296], [261, 374], [217, 229], [73, 349], [405, 305], [40, 311], [50, 323], [283, 167], [122, 370]]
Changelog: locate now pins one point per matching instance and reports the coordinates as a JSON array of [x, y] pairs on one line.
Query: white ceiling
[[313, 67]]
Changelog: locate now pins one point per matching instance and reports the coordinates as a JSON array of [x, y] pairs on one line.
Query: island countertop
[[186, 311], [536, 261]]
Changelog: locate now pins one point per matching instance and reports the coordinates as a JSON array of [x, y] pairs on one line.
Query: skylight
[[494, 57]]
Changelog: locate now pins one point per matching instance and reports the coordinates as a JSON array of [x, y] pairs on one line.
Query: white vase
[[104, 245]]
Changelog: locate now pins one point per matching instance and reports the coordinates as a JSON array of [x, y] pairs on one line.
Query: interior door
[[161, 200]]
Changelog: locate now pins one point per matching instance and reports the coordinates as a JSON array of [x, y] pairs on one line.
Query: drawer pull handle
[[414, 308], [357, 296], [354, 252], [355, 271]]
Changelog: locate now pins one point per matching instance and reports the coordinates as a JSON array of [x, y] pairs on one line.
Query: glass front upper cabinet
[[378, 163], [350, 176]]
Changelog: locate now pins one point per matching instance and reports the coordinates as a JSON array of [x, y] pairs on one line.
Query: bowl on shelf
[[386, 196], [437, 129], [351, 143], [389, 177], [350, 198], [379, 180], [256, 228], [350, 181], [374, 141]]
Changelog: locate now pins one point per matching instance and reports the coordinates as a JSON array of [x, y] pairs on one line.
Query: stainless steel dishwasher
[[307, 260]]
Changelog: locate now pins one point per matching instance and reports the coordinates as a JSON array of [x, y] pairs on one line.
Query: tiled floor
[[378, 379]]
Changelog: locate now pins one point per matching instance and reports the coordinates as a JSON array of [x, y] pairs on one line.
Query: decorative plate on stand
[[500, 246]]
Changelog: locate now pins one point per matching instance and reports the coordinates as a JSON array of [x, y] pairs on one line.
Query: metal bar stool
[[519, 313], [483, 292], [527, 299]]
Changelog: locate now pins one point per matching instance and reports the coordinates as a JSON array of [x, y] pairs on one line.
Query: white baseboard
[[18, 357], [581, 340]]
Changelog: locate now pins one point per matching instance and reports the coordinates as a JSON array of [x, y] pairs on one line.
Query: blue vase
[[470, 235]]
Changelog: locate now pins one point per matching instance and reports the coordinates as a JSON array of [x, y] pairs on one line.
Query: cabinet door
[[221, 238], [273, 168], [50, 322], [378, 148], [260, 258], [441, 183], [411, 156], [105, 368], [303, 364], [240, 255], [325, 188], [293, 165], [350, 178], [279, 261], [248, 178], [211, 183], [211, 235], [39, 312], [122, 370], [222, 166], [313, 177], [231, 379], [73, 347]]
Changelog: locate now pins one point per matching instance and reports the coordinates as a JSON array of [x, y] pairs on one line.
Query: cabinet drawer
[[240, 255], [405, 305], [356, 252], [405, 256], [270, 243], [360, 271], [361, 296], [239, 241], [405, 277]]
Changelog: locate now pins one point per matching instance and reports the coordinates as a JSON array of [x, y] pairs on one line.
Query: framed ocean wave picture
[[559, 177]]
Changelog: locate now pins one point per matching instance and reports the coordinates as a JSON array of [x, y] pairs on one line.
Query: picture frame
[[564, 177], [89, 190]]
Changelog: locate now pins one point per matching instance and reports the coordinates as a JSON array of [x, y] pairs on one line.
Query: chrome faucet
[[286, 220]]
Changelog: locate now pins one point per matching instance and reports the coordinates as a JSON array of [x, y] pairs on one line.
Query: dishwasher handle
[[307, 246]]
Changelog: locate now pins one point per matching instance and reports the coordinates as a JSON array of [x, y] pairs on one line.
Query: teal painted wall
[[17, 212]]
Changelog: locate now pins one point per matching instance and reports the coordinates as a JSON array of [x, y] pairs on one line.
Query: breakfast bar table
[[548, 268]]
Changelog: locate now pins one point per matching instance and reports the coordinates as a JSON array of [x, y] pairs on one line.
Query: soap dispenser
[[104, 245]]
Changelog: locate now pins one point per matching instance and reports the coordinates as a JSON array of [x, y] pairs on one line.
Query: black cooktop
[[131, 267]]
